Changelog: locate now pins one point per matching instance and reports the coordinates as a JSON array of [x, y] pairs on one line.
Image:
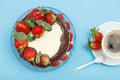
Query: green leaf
[[20, 36], [14, 32], [44, 11], [45, 25], [30, 37], [30, 22], [37, 60], [39, 22]]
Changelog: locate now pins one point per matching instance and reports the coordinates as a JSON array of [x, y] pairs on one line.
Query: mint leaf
[[14, 32], [20, 36], [39, 22], [30, 22], [30, 37], [37, 60], [45, 25]]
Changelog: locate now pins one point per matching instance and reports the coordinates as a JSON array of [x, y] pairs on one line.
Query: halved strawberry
[[70, 46], [56, 63], [64, 57], [29, 54], [67, 25], [22, 27], [96, 34], [60, 16], [20, 43], [37, 30], [70, 35], [44, 60]]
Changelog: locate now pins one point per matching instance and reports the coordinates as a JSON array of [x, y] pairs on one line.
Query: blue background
[[84, 14]]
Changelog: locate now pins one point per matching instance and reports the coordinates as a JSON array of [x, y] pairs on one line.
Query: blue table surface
[[84, 14]]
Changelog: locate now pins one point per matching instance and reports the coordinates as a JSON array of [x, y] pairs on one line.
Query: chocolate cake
[[43, 38]]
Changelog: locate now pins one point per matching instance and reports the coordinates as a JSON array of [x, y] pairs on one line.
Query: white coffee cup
[[107, 51]]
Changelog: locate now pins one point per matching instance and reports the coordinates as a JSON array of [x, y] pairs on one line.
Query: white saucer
[[103, 28]]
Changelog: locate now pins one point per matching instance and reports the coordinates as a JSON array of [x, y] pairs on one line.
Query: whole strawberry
[[44, 60], [50, 17], [94, 45], [37, 30], [96, 35], [20, 43], [22, 27], [35, 14], [29, 54]]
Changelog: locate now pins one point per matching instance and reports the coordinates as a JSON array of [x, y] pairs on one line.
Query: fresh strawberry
[[70, 35], [94, 45], [44, 60], [29, 54], [96, 34], [56, 63], [36, 14], [37, 30], [20, 43], [70, 46], [50, 17], [67, 25], [22, 27], [60, 16], [64, 57]]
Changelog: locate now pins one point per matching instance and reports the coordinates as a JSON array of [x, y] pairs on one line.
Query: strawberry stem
[[33, 62]]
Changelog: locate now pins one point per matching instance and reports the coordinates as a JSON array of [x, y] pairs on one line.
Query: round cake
[[43, 38]]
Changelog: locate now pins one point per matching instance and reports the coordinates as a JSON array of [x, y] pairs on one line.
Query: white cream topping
[[49, 43]]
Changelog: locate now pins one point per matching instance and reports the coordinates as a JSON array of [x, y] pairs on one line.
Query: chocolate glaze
[[64, 42]]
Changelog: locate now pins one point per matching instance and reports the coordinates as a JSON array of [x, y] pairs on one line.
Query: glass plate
[[49, 68]]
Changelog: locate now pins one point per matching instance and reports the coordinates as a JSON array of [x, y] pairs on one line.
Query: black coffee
[[113, 43]]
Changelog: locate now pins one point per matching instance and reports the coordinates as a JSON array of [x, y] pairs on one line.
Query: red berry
[[70, 46], [56, 63], [20, 43], [61, 16], [37, 30], [29, 54], [70, 35], [67, 25], [37, 14], [22, 27], [94, 45], [99, 37], [64, 57]]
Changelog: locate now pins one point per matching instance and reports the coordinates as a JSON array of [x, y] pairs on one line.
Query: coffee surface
[[113, 43]]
